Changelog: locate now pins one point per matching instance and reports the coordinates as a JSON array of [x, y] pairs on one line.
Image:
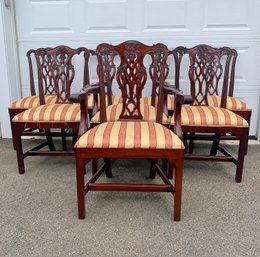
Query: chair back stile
[[31, 74]]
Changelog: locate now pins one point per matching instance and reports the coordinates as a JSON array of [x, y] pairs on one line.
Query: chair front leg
[[178, 188], [80, 166], [17, 141]]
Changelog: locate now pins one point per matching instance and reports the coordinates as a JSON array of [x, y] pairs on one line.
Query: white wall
[[9, 75], [233, 23]]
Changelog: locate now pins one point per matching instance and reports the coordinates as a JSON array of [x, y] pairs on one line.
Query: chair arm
[[171, 90], [179, 100], [82, 98], [89, 89]]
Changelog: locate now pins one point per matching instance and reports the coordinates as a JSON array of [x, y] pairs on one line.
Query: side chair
[[56, 69], [33, 100], [210, 74], [130, 136]]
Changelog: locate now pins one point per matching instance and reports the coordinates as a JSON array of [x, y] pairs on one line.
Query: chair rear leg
[[63, 139], [108, 167], [247, 138], [49, 140], [94, 166], [185, 141], [191, 143], [12, 130], [240, 159], [74, 139], [170, 170], [165, 166], [215, 144], [178, 188], [153, 169]]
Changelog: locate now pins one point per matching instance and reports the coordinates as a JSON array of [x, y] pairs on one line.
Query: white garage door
[[233, 23]]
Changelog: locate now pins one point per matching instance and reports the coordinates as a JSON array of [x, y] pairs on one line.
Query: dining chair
[[129, 136], [222, 67], [56, 74], [33, 100], [211, 74]]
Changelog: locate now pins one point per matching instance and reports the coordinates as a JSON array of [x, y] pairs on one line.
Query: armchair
[[130, 135]]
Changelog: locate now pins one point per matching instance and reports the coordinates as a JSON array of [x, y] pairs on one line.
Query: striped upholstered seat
[[233, 104], [210, 116], [32, 101], [170, 101], [114, 110], [146, 100], [130, 134], [116, 99], [50, 113]]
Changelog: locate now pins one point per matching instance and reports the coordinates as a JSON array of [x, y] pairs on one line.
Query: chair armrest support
[[179, 100], [171, 90], [87, 89]]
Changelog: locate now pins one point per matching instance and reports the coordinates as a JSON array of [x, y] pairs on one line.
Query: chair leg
[[214, 147], [19, 149], [165, 166], [178, 188], [74, 139], [153, 169], [191, 143], [12, 130], [185, 141], [94, 166], [49, 140], [108, 167], [63, 139], [247, 138], [170, 170], [80, 187], [240, 159]]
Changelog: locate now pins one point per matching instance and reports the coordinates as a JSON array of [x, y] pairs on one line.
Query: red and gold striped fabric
[[50, 113], [130, 135], [210, 116], [148, 100], [32, 101], [114, 110], [233, 103], [115, 100]]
